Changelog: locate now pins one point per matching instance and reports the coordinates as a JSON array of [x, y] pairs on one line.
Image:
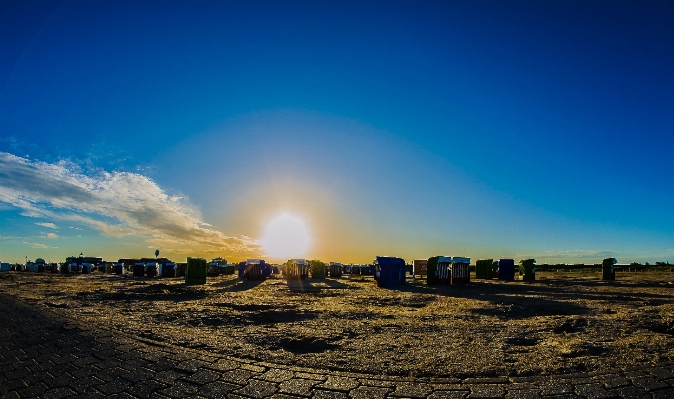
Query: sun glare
[[286, 236]]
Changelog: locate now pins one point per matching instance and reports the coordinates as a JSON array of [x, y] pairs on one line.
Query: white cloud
[[117, 204], [47, 225], [52, 236]]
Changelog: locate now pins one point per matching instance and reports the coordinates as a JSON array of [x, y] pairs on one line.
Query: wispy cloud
[[13, 142], [47, 225], [38, 245], [574, 254], [117, 204], [51, 236]]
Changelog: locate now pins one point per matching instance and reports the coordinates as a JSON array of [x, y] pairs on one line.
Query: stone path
[[42, 355]]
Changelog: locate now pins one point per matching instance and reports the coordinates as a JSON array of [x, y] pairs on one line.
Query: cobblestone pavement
[[42, 355]]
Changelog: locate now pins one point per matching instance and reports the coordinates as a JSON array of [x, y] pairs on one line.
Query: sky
[[486, 129]]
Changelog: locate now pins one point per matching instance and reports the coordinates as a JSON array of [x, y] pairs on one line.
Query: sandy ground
[[560, 323]]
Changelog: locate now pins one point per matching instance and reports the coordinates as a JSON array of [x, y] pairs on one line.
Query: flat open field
[[562, 322]]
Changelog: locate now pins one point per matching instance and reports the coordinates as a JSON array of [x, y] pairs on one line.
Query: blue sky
[[464, 128]]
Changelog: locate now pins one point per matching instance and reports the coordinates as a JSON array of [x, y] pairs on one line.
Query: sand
[[561, 323]]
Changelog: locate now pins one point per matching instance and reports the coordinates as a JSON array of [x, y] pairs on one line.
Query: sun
[[286, 236]]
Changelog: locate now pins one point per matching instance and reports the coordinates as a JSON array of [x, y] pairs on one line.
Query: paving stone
[[169, 376], [115, 386], [112, 373], [35, 377], [122, 395], [217, 389], [277, 375], [449, 387], [310, 376], [108, 363], [321, 394], [667, 393], [411, 390], [448, 395], [181, 389], [43, 366], [24, 364], [252, 367], [336, 383], [61, 381], [45, 357], [297, 386], [133, 364], [525, 379], [258, 388], [144, 389], [614, 381], [581, 380], [632, 392], [649, 383], [58, 393], [438, 381], [279, 396], [157, 395], [105, 344], [181, 356], [636, 373], [378, 383], [662, 373], [89, 394], [206, 358], [369, 392], [82, 384], [516, 386], [17, 374], [107, 354], [83, 361], [11, 395], [162, 364], [523, 394], [237, 376], [235, 396], [502, 380], [140, 374], [559, 387], [154, 355], [66, 358], [36, 389], [573, 375], [594, 391], [131, 355], [223, 365], [84, 372], [58, 371], [486, 391], [203, 376], [191, 365], [29, 354]]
